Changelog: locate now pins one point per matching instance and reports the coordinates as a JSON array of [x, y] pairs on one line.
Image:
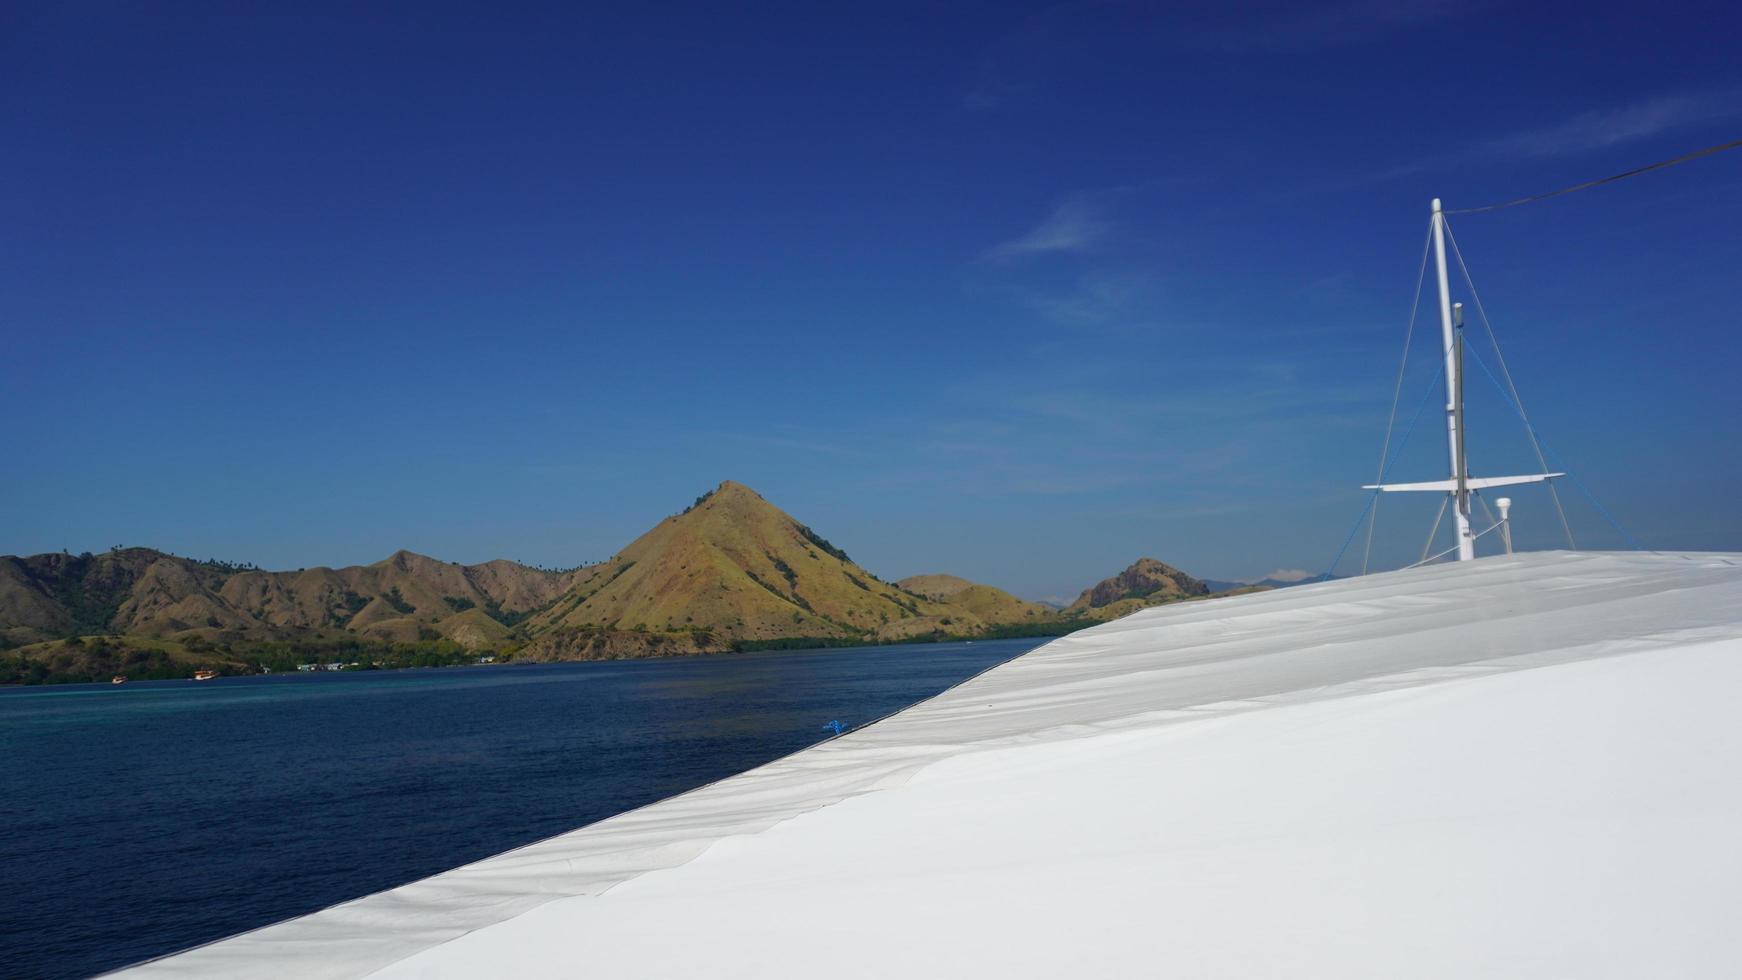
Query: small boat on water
[[118, 679], [204, 675]]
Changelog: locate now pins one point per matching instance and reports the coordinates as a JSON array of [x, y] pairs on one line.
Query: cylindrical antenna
[[1504, 505]]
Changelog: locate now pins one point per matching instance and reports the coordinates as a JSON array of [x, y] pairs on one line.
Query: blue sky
[[1016, 291]]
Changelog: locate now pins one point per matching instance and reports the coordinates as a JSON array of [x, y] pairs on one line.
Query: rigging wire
[[1440, 515], [1587, 185], [1478, 536], [1374, 496], [1509, 391], [1492, 520], [1397, 391], [1517, 402], [1571, 474]]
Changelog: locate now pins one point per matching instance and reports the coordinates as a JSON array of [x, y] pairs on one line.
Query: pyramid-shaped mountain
[[738, 568]]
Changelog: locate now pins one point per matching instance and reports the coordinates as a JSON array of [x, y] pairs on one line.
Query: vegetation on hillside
[[731, 572], [96, 659]]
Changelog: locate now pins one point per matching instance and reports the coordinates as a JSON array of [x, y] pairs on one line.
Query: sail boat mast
[[1461, 484], [1454, 393]]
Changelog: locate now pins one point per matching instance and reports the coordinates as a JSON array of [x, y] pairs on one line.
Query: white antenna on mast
[[1460, 485]]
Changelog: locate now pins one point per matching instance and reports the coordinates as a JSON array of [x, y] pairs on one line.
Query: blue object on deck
[[836, 727]]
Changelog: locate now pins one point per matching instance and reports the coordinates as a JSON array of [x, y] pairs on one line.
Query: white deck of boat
[[1517, 766]]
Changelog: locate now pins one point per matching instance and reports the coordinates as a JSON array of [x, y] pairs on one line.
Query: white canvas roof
[[1517, 766]]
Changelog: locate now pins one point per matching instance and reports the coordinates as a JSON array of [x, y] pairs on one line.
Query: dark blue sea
[[139, 819]]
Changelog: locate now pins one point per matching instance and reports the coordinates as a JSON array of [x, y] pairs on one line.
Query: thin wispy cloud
[[1076, 267], [1613, 127], [1595, 129], [1075, 225], [1098, 298]]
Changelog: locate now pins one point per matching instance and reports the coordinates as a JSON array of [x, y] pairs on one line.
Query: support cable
[[1484, 502], [1371, 497], [1636, 171], [1571, 475], [1440, 515], [1510, 390], [1517, 403], [1397, 391], [1475, 537]]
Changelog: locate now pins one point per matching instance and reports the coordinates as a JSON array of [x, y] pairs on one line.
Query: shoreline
[[784, 644]]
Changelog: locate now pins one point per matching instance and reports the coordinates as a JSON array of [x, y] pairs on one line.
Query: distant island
[[732, 572]]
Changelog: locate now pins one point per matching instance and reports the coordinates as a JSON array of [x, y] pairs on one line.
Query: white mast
[[1460, 484], [1454, 394]]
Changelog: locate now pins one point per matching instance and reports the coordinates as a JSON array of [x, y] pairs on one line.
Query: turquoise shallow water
[[145, 818]]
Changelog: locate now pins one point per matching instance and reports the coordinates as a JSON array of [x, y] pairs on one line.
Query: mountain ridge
[[730, 572]]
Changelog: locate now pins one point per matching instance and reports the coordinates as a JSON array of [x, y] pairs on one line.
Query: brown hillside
[[473, 629], [938, 587], [142, 592], [741, 568], [27, 612], [730, 571], [110, 592], [984, 602], [1146, 583]]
